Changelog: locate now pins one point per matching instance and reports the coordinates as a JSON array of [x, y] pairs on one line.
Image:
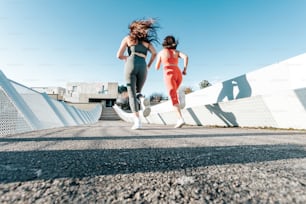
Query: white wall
[[273, 96], [23, 109]]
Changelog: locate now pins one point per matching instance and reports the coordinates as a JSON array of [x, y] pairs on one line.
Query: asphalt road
[[107, 162]]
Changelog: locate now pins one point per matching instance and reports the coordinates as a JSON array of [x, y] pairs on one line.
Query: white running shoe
[[181, 95], [137, 125], [179, 123], [144, 101], [145, 106], [146, 112]]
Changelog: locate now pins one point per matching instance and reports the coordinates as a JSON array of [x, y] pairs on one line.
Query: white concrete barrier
[[23, 109], [273, 96]]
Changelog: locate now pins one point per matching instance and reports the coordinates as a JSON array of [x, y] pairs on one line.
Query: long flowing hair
[[144, 30]]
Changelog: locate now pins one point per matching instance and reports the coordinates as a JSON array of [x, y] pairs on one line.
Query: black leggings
[[135, 77]]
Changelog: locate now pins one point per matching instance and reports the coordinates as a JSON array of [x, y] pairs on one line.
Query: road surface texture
[[107, 162]]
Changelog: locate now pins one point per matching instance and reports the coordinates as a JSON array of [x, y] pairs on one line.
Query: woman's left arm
[[185, 58]]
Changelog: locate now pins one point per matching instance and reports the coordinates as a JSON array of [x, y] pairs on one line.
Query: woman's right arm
[[158, 62], [121, 50], [153, 54]]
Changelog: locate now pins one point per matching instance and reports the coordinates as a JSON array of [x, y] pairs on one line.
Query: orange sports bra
[[171, 59]]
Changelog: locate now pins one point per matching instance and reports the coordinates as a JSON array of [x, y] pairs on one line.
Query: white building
[[56, 93], [99, 92]]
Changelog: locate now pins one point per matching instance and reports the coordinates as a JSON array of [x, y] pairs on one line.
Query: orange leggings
[[173, 79]]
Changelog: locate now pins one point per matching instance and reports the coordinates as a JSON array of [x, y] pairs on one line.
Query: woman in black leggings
[[138, 43]]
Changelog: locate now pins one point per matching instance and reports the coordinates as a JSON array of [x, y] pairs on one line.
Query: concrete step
[[108, 113]]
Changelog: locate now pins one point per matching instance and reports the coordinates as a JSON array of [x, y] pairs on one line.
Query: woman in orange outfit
[[169, 58]]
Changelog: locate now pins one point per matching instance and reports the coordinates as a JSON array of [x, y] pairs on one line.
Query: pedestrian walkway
[[107, 162]]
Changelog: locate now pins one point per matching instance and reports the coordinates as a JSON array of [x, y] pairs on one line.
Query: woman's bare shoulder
[[127, 39], [130, 41]]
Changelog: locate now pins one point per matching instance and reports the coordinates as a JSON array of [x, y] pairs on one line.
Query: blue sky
[[52, 42]]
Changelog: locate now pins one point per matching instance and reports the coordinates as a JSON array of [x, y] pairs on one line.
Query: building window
[[74, 88], [102, 90]]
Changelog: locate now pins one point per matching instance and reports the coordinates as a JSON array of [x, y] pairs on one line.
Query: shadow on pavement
[[32, 165], [144, 137]]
